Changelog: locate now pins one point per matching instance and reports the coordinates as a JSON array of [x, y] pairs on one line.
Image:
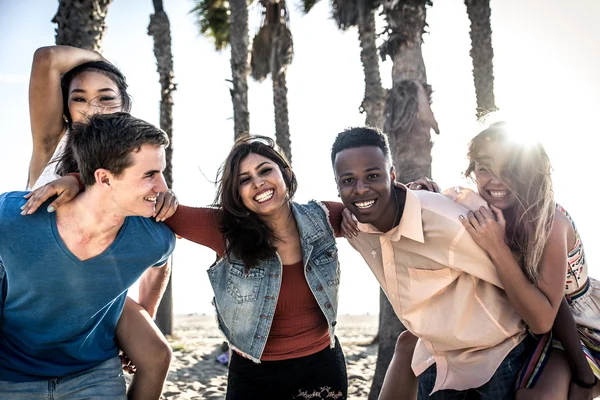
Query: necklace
[[373, 251]]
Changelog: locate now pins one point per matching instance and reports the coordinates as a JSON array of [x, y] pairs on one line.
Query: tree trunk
[[238, 39], [374, 100], [81, 23], [280, 103], [408, 123], [482, 55], [160, 30]]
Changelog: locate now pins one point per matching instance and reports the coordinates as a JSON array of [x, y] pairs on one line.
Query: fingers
[[166, 205], [349, 226], [499, 215], [37, 198], [425, 184], [467, 224]]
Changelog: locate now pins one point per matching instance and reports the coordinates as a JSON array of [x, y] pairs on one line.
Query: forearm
[[153, 284], [60, 59], [565, 330], [530, 302]]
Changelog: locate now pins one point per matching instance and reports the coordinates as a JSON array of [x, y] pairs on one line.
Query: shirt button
[[309, 268], [394, 295], [320, 288], [328, 305], [334, 323], [389, 265]]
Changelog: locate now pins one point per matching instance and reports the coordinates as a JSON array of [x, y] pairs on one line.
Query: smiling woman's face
[[261, 185], [492, 157]]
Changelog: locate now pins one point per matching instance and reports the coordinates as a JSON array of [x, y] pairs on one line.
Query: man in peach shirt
[[442, 286]]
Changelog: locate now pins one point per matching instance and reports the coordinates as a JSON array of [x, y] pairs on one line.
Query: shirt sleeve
[[199, 225], [335, 216]]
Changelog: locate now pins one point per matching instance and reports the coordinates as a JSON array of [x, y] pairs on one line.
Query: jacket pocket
[[327, 262], [244, 284]]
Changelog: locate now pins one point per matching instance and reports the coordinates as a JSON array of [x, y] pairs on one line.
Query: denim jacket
[[245, 301]]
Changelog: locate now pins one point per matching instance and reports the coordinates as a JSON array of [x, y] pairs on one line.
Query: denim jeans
[[103, 382], [500, 386]]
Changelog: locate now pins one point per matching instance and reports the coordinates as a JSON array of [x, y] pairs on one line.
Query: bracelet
[[584, 384], [78, 177]]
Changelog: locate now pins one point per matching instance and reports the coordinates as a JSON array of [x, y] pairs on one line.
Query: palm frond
[[260, 65], [212, 18]]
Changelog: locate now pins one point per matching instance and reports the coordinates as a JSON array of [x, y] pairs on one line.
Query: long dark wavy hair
[[526, 172], [247, 236], [66, 162]]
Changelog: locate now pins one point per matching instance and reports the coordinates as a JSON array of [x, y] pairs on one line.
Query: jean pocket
[[243, 284], [328, 264]]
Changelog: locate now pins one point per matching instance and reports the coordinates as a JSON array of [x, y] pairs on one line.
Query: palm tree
[[482, 54], [81, 23], [272, 52], [160, 29], [226, 23], [361, 13], [408, 122]]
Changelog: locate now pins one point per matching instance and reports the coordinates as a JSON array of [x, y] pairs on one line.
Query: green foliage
[[212, 17]]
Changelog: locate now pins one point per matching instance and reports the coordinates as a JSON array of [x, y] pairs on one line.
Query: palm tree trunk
[[160, 30], [81, 23], [374, 101], [482, 54], [408, 123], [239, 41], [280, 103]]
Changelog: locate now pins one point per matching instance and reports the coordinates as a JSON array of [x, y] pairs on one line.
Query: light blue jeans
[[104, 382]]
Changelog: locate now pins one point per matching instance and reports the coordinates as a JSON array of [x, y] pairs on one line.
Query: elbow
[[541, 325], [44, 56]]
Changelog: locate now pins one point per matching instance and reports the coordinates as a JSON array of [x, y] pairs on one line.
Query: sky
[[546, 60]]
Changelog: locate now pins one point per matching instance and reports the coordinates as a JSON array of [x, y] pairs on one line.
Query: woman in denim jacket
[[276, 279]]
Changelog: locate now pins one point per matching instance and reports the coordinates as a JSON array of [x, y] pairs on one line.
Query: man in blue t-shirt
[[67, 273]]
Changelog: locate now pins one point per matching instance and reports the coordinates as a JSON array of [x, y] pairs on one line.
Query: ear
[[393, 175], [103, 177], [289, 173]]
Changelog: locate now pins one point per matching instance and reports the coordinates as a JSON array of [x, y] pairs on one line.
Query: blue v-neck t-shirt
[[60, 313]]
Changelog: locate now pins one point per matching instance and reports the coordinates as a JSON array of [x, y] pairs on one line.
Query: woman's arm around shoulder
[[199, 225]]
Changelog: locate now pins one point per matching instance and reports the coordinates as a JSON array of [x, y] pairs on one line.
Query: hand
[[166, 205], [423, 184], [66, 188], [349, 226], [486, 229], [127, 364], [577, 392]]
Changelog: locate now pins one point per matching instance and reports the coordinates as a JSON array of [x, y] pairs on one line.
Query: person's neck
[[393, 214], [90, 216], [280, 222]]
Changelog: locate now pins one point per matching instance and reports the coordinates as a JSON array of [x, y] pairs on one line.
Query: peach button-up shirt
[[444, 289]]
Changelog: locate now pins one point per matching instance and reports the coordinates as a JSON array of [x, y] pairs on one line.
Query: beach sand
[[195, 373]]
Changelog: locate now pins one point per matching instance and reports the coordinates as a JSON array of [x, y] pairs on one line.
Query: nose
[[161, 185], [361, 187], [258, 182]]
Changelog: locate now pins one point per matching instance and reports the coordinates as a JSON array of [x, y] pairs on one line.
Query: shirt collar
[[411, 223]]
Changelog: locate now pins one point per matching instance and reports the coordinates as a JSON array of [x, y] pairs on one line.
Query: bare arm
[[46, 100], [153, 284], [537, 305]]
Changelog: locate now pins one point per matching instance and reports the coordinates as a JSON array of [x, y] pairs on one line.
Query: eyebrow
[[152, 172], [257, 167], [77, 90]]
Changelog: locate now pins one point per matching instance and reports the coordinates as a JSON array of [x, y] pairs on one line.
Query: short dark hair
[[359, 137], [246, 235], [102, 67], [107, 141]]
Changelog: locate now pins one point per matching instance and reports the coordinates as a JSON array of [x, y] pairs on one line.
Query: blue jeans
[[103, 382], [500, 386]]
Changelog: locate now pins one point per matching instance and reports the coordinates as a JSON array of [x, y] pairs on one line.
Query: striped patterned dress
[[583, 295]]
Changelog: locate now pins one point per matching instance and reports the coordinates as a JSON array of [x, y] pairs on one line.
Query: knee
[[406, 343]]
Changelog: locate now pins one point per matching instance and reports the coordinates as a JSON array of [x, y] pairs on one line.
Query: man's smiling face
[[365, 178]]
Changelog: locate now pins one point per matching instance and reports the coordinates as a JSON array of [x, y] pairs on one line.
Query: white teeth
[[264, 196], [498, 193], [153, 199], [364, 204]]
